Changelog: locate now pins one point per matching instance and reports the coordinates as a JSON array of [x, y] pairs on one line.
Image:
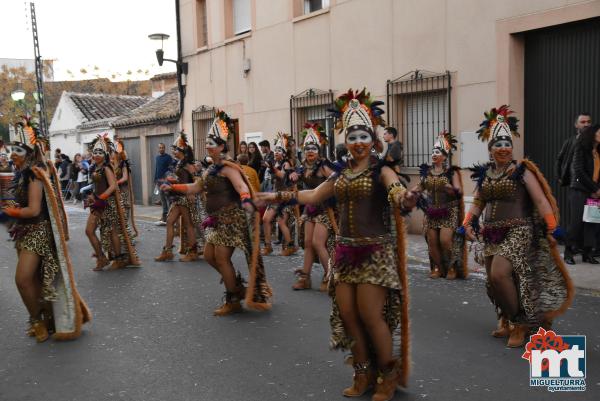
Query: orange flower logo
[[544, 340]]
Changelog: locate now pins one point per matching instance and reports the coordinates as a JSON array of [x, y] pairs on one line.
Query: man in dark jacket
[[584, 184], [565, 156], [163, 162]]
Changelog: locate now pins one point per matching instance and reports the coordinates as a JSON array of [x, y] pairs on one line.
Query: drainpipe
[[180, 66]]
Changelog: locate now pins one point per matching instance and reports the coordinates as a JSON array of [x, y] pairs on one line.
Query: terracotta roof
[[162, 109], [101, 106], [166, 75]]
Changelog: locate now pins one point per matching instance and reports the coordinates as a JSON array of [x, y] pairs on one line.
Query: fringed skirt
[[38, 238], [190, 204], [229, 227], [366, 261], [442, 217], [540, 284], [109, 221]]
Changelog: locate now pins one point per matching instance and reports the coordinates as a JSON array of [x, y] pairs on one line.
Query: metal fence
[[311, 105], [418, 106]]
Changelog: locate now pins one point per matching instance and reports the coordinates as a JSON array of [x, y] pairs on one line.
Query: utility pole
[[39, 74]]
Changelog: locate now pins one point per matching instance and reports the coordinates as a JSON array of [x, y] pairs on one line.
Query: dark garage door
[[132, 146], [561, 79]]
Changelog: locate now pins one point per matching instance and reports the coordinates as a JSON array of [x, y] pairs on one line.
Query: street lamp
[[181, 67], [18, 95]]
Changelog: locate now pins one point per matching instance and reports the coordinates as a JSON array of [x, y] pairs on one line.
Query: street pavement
[[153, 337]]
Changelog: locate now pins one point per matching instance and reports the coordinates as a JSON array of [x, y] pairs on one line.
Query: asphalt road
[[153, 337]]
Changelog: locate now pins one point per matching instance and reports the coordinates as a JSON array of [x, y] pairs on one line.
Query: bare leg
[[28, 282], [209, 255], [309, 252], [346, 300], [172, 218], [225, 267], [90, 231], [505, 291], [285, 231], [371, 299], [116, 242], [434, 248], [267, 220], [319, 243]]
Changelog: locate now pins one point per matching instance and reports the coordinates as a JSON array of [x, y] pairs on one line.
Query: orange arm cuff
[[13, 211], [467, 220], [182, 188], [103, 196], [551, 223]]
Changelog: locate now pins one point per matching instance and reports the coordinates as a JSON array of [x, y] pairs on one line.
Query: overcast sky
[[109, 34]]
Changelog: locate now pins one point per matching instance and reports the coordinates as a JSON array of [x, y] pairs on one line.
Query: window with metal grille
[[202, 119], [418, 106], [311, 106]]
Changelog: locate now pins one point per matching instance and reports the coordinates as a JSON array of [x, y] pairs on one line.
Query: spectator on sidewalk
[[268, 158], [163, 162], [255, 159], [64, 175], [395, 149], [242, 160], [565, 156], [5, 166], [585, 183]]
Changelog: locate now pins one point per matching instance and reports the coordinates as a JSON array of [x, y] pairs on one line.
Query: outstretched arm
[[310, 196]]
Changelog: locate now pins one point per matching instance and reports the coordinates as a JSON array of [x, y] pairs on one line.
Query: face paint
[[311, 149], [502, 151], [19, 151], [359, 137], [436, 152], [503, 143], [211, 143]]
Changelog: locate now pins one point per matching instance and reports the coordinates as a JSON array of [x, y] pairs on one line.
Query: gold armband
[[393, 189]]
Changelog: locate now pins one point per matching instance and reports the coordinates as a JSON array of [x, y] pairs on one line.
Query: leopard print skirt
[[378, 267], [191, 204], [540, 285], [231, 229], [109, 221], [38, 238], [450, 221]]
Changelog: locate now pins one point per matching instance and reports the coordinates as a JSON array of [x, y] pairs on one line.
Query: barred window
[[311, 106], [418, 106], [202, 119]]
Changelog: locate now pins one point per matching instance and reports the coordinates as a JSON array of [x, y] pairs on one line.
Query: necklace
[[494, 174], [435, 173]]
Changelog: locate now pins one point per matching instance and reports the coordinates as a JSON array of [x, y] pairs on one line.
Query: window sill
[[311, 15], [238, 37], [201, 49]]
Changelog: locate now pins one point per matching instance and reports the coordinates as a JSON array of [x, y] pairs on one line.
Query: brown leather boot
[[190, 256], [288, 250], [518, 336], [451, 275], [362, 380], [303, 282], [324, 287], [503, 329], [267, 250], [386, 385], [232, 304], [435, 273], [40, 331], [166, 255], [101, 262]]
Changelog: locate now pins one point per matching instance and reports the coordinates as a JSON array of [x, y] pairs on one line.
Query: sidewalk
[[584, 275]]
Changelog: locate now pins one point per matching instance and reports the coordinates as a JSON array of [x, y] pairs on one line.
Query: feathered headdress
[[30, 137], [181, 142], [120, 148], [357, 110], [102, 142], [446, 142], [282, 141], [221, 127], [313, 134], [498, 125]]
